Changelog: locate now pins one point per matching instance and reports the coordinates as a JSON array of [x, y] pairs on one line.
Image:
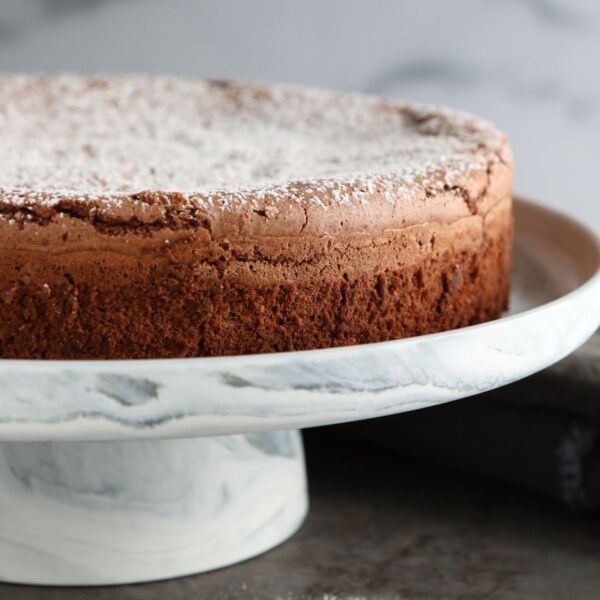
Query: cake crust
[[97, 262]]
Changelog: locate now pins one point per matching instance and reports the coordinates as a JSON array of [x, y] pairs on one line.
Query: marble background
[[532, 66]]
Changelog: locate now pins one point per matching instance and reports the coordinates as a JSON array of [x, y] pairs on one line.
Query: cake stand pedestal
[[128, 471], [116, 512]]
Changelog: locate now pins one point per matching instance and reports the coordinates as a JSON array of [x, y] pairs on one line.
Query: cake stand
[[128, 471]]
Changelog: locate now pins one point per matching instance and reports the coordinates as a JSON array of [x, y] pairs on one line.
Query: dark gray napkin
[[541, 433]]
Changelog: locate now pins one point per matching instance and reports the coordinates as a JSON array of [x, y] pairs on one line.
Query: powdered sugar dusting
[[224, 143]]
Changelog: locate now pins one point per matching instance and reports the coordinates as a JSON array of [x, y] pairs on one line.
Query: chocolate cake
[[150, 217]]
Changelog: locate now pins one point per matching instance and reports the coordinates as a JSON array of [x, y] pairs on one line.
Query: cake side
[[97, 295]]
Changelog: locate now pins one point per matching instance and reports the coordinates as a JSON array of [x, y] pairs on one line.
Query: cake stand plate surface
[[125, 471]]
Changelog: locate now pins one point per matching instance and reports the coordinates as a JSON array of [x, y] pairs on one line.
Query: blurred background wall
[[532, 66]]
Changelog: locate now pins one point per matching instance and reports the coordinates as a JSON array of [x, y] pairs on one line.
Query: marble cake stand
[[128, 471]]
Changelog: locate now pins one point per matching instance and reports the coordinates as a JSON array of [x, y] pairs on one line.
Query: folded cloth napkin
[[541, 433]]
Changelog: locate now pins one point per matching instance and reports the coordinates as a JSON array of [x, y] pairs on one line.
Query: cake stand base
[[96, 513]]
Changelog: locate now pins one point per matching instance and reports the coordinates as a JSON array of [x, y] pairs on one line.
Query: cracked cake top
[[157, 149]]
